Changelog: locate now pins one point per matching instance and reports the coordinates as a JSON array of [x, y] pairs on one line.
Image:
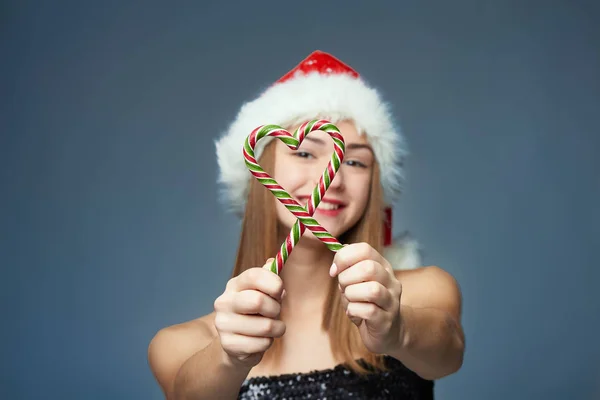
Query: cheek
[[287, 177], [361, 192], [290, 180], [282, 212]]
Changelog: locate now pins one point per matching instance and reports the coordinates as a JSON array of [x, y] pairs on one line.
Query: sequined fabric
[[341, 383]]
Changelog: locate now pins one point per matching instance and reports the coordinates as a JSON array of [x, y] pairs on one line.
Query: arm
[[210, 357], [189, 363], [411, 315], [431, 339]]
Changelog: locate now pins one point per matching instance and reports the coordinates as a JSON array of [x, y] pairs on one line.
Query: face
[[299, 171]]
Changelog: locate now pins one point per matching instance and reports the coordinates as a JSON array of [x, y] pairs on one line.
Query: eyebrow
[[349, 146]]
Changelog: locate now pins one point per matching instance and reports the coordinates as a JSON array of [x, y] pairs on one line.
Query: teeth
[[328, 206], [324, 205]]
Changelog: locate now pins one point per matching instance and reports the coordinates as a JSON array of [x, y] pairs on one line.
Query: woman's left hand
[[370, 295]]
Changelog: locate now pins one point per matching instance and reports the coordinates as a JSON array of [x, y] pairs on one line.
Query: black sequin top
[[340, 382]]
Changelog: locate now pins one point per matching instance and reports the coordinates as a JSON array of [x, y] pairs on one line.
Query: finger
[[259, 279], [356, 321], [245, 345], [344, 301], [352, 254], [255, 302], [367, 311], [268, 264], [249, 325], [370, 292], [364, 271]]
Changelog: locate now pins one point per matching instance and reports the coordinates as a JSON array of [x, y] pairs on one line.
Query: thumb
[[268, 263]]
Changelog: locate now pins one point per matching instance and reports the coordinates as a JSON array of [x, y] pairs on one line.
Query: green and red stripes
[[303, 214]]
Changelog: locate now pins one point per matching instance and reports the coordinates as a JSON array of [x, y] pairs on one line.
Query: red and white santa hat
[[321, 86]]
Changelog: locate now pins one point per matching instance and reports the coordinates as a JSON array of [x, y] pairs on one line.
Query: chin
[[335, 231]]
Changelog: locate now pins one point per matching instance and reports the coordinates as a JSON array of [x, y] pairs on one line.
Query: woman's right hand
[[247, 315]]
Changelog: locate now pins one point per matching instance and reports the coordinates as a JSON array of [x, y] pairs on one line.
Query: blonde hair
[[259, 240]]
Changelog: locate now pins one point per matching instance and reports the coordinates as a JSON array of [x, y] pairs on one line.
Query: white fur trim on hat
[[334, 97], [403, 253]]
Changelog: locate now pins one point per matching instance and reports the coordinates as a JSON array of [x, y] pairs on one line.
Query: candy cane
[[303, 214]]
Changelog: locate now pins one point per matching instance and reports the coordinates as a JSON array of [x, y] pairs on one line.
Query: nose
[[338, 182]]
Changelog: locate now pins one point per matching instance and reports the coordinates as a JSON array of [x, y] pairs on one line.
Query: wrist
[[402, 342], [233, 364], [404, 331]]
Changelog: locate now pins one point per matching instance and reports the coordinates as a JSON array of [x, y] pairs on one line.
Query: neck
[[306, 279]]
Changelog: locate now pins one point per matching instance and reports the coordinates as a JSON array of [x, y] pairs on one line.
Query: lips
[[327, 206]]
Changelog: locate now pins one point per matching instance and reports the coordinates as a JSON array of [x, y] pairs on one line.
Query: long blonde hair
[[259, 240]]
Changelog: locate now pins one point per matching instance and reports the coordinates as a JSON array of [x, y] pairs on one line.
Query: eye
[[354, 163], [302, 154]]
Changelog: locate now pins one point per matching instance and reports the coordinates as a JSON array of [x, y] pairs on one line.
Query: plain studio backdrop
[[110, 223]]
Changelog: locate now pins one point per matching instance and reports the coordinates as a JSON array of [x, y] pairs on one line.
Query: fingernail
[[333, 270], [283, 294], [268, 263]]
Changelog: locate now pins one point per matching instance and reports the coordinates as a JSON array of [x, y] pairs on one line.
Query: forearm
[[431, 342], [206, 375]]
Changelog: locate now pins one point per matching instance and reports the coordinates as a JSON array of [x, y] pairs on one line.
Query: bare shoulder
[[430, 287], [425, 275], [173, 345]]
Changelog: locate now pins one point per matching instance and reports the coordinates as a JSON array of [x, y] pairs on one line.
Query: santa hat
[[321, 86]]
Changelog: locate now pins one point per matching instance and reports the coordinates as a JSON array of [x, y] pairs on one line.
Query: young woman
[[366, 322]]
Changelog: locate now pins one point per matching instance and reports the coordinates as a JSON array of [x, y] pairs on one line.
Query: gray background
[[110, 226]]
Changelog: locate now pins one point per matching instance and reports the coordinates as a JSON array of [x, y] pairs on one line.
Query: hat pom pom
[[404, 253]]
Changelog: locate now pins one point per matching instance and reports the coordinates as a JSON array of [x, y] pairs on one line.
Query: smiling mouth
[[324, 205], [328, 206]]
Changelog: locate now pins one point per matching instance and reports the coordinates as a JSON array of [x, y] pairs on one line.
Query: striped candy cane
[[303, 214]]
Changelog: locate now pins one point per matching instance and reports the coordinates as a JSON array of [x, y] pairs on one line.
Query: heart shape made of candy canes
[[303, 214]]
